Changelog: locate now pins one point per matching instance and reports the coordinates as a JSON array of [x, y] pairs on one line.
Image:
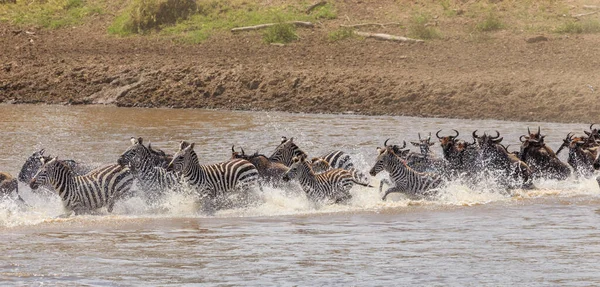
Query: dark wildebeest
[[541, 158]]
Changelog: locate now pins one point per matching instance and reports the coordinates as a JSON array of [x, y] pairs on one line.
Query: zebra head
[[134, 155], [42, 175], [183, 157], [386, 157], [31, 166], [299, 164], [286, 151]]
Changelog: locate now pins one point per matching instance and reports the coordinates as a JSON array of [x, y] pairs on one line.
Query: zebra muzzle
[[33, 184]]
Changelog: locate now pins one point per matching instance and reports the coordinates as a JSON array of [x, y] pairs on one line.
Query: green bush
[[280, 33], [145, 15]]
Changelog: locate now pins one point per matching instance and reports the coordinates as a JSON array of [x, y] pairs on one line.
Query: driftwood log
[[584, 14], [382, 25], [262, 26], [314, 6], [386, 37]]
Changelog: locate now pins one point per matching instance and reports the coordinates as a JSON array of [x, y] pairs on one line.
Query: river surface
[[474, 236]]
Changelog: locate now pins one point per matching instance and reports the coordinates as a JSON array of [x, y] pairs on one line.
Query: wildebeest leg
[[390, 190]]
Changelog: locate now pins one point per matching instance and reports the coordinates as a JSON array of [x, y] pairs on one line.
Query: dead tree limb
[[584, 14], [382, 25], [314, 6], [386, 37], [262, 26]]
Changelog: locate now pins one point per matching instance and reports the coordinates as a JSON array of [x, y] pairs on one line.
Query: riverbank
[[504, 74]]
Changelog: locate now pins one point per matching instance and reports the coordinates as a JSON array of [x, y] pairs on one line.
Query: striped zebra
[[286, 151], [338, 159], [320, 165], [84, 193], [332, 185], [215, 180], [405, 179], [33, 164], [148, 168]]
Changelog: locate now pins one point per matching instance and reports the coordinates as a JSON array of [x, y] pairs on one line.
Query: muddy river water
[[466, 237]]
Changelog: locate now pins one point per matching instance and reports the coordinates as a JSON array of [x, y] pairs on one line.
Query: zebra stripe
[[286, 151], [320, 165], [85, 193], [331, 185], [215, 180], [406, 180], [339, 159], [146, 165]]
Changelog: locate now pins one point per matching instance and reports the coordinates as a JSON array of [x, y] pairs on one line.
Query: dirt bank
[[503, 77]]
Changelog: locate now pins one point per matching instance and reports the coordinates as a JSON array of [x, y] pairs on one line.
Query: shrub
[[280, 33], [145, 15], [579, 27]]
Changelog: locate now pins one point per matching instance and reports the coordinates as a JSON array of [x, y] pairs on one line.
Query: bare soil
[[504, 75]]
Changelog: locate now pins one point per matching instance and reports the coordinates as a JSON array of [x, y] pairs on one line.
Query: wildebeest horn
[[497, 135], [456, 133], [521, 138], [539, 130], [591, 126], [232, 149], [528, 131], [429, 137], [437, 134], [475, 134], [404, 145], [385, 143], [243, 153], [419, 136]]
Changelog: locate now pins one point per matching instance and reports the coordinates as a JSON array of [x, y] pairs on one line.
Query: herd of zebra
[[326, 179]]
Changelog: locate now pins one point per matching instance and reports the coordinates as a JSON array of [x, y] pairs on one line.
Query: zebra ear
[[133, 141], [183, 145], [191, 146], [379, 150], [295, 159], [314, 159], [283, 139], [42, 151], [292, 139], [140, 140]]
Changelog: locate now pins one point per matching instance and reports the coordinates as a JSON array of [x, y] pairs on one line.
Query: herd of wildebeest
[[325, 179]]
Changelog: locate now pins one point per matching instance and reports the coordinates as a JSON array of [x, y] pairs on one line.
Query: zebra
[[338, 159], [320, 165], [286, 151], [406, 180], [332, 185], [148, 168], [84, 193], [214, 180], [33, 164]]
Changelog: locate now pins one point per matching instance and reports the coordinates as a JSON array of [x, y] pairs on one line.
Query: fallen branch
[[591, 7], [262, 26], [584, 14], [316, 5], [386, 37], [382, 25]]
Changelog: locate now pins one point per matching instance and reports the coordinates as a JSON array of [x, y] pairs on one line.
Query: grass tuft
[[146, 15], [340, 34], [420, 28], [490, 23], [50, 14], [587, 26], [280, 33]]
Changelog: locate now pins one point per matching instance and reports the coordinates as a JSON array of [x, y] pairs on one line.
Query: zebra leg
[[390, 190], [383, 181]]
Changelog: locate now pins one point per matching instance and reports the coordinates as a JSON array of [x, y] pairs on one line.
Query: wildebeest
[[541, 158], [269, 171], [582, 154], [499, 162], [34, 162]]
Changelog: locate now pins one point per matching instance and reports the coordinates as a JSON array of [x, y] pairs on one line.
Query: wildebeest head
[[487, 141], [423, 144], [447, 142]]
